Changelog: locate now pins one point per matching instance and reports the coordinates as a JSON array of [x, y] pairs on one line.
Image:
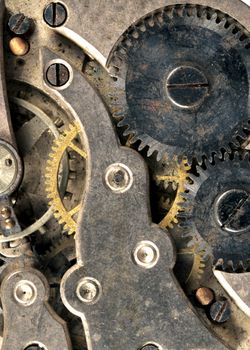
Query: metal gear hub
[[217, 212], [182, 96]]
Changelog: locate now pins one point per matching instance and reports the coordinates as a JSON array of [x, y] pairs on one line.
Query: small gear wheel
[[64, 142], [218, 213], [175, 176], [178, 95], [168, 194], [190, 265]]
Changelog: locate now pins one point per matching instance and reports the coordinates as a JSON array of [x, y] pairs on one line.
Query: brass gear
[[198, 264], [61, 144], [178, 178]]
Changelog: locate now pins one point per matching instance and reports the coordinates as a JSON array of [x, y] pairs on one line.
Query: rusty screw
[[20, 24], [55, 14], [220, 311], [57, 74], [205, 296]]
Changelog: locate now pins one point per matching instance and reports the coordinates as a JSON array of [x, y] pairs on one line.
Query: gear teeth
[[178, 184], [211, 17], [229, 266], [59, 148], [233, 159], [247, 43], [198, 266]]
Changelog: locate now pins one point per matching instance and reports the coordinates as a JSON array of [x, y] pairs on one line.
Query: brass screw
[[18, 46], [5, 212], [9, 224], [205, 296]]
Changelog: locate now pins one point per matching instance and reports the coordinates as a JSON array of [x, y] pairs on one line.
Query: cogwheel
[[218, 213], [192, 260], [178, 179], [175, 87], [58, 258], [61, 144]]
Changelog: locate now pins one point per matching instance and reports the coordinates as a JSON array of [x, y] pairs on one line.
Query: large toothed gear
[[217, 213], [62, 143], [178, 94]]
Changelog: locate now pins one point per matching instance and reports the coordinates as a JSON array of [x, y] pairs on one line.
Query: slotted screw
[[150, 347], [20, 24], [233, 209], [57, 74], [55, 14], [220, 311], [34, 347], [187, 87]]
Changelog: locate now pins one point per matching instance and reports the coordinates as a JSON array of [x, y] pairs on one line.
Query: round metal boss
[[88, 290], [118, 177], [25, 292], [10, 168], [146, 254]]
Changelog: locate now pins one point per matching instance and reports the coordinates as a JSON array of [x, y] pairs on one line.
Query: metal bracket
[[122, 287], [28, 318]]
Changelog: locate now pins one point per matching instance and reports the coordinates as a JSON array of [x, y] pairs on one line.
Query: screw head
[[57, 74], [25, 292], [232, 210], [55, 14], [151, 346], [35, 347], [187, 87], [9, 224], [18, 46], [20, 24], [146, 254], [5, 212], [118, 177], [205, 296], [88, 290], [220, 311]]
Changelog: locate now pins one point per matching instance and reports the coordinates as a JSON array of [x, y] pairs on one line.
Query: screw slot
[[187, 87], [57, 74], [20, 24], [55, 14], [232, 210], [220, 311]]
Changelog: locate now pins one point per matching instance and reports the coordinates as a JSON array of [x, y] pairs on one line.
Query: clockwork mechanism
[[124, 175]]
